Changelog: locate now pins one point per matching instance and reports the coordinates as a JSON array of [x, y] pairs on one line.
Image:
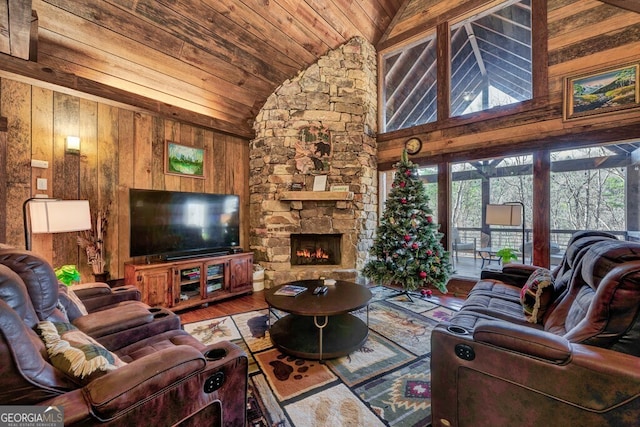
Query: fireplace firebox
[[315, 249]]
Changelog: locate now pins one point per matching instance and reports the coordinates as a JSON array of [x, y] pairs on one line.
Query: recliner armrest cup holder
[[215, 354], [458, 330], [158, 312]]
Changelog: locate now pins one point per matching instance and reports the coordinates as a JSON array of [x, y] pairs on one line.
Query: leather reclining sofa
[[531, 347], [152, 371]]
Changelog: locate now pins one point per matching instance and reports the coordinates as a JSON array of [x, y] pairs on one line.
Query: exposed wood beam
[[15, 27], [34, 74], [633, 5]]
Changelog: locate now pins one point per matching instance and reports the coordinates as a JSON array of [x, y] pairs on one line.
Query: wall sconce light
[[73, 144]]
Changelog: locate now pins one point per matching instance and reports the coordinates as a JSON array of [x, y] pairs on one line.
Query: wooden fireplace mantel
[[316, 195]]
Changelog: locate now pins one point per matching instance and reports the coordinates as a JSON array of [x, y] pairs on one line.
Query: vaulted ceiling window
[[491, 58], [409, 86]]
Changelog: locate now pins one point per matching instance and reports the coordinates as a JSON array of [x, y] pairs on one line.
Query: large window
[[589, 190], [491, 58], [474, 184], [409, 87], [490, 65]]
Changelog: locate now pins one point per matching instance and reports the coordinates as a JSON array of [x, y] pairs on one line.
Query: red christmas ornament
[[414, 246], [429, 252], [423, 274], [407, 172], [403, 184], [407, 237], [429, 292], [423, 292], [429, 219], [403, 201]]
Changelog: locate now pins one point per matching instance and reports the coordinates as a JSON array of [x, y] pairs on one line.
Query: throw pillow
[[76, 354], [537, 294]]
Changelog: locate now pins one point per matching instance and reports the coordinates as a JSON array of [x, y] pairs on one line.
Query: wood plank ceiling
[[207, 62], [214, 62]]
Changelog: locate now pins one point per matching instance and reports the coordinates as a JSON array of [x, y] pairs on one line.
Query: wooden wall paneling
[[137, 152], [16, 106], [198, 141], [218, 177], [133, 138], [88, 185], [172, 133], [66, 172], [562, 30], [237, 179], [108, 150], [42, 149], [600, 60], [157, 157], [186, 138], [3, 186], [207, 143]]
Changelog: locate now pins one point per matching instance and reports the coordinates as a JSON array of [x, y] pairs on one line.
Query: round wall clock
[[413, 145]]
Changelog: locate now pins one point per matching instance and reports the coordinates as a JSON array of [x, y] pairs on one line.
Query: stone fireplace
[[320, 124]]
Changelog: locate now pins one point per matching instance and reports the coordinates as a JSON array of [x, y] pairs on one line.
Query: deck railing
[[512, 237]]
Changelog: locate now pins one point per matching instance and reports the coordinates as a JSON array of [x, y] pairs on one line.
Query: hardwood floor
[[255, 301], [241, 304]]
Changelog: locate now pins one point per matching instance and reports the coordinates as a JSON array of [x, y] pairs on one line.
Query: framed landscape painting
[[601, 92], [184, 160]]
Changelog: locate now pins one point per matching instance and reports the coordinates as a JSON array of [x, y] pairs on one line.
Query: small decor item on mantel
[[320, 183], [92, 241], [68, 274]]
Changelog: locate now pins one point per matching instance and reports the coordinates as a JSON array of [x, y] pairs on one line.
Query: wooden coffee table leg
[[320, 328]]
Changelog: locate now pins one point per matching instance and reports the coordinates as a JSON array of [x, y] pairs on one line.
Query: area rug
[[384, 383]]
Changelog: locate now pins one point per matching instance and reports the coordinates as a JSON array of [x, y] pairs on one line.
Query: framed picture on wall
[[601, 92], [184, 160]]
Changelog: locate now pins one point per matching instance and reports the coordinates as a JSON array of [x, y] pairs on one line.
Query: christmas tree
[[407, 250]]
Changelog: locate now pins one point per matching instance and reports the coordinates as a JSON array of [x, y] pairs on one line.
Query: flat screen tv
[[174, 224]]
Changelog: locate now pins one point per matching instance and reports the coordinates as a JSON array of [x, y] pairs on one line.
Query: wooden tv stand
[[185, 283]]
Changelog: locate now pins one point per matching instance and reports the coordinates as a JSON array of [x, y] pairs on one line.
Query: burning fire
[[317, 254]]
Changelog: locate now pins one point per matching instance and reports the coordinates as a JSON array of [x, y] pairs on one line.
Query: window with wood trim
[[491, 64], [491, 58], [409, 85]]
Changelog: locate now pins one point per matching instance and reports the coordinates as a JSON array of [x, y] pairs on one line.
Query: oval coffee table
[[319, 326]]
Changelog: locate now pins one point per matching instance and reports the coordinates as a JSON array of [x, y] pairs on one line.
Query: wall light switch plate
[[39, 164], [41, 183]]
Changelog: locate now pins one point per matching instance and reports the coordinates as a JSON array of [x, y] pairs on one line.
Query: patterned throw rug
[[384, 383]]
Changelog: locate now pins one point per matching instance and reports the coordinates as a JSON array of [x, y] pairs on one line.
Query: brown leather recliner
[[115, 318], [579, 366], [169, 379]]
